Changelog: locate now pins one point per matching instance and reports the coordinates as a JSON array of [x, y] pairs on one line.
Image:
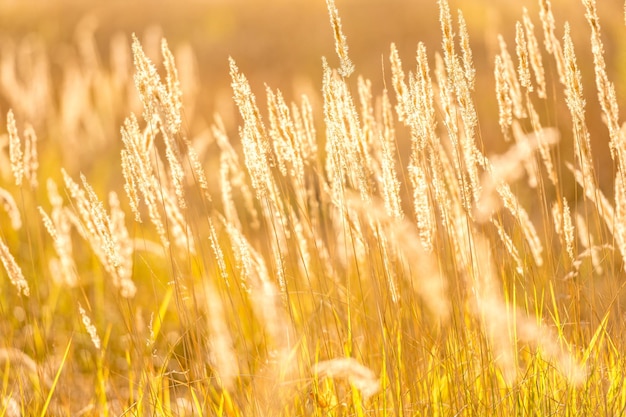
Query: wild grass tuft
[[369, 257]]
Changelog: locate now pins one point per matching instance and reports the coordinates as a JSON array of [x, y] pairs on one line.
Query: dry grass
[[311, 268]]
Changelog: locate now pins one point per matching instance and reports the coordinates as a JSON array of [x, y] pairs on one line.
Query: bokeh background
[[84, 45]]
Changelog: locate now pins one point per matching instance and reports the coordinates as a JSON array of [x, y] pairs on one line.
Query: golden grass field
[[302, 208]]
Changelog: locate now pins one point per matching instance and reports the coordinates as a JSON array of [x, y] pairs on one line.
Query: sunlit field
[[308, 208]]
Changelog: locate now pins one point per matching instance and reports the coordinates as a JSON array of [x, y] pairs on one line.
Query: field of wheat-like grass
[[366, 256]]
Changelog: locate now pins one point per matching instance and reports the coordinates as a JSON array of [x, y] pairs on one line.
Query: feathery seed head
[[341, 45], [15, 149], [13, 270]]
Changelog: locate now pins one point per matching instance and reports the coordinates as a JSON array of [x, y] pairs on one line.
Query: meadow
[[443, 236]]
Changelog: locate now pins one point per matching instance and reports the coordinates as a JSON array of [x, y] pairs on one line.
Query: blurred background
[[52, 49]]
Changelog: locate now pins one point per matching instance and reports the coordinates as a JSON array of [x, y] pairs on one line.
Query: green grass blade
[[56, 380]]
